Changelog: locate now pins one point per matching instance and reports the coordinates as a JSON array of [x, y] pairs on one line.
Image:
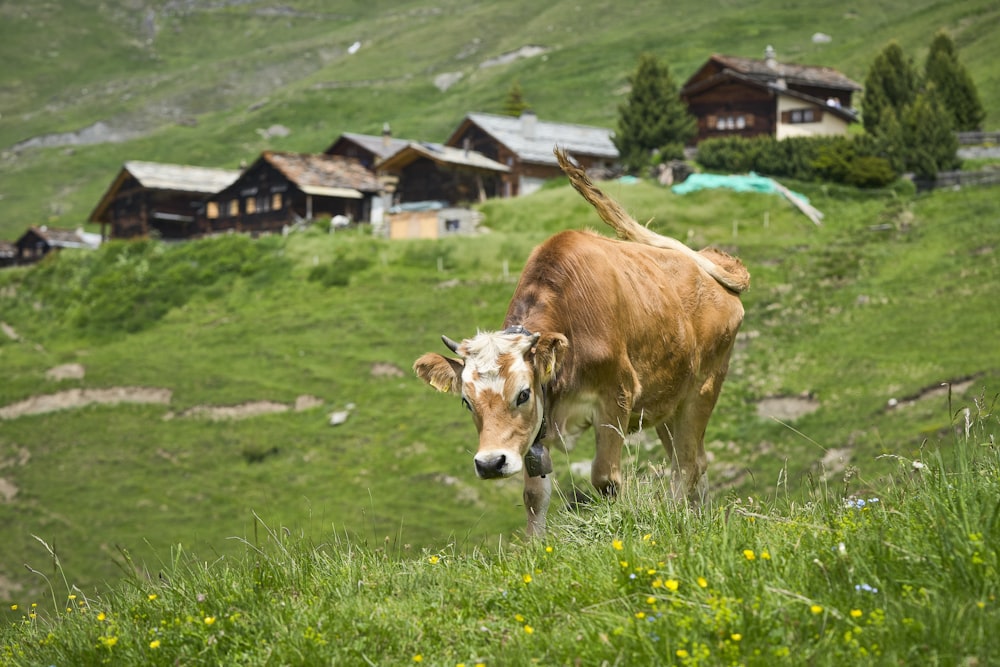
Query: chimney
[[528, 122], [386, 134], [769, 57]]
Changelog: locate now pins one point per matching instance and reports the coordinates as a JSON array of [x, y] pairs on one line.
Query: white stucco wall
[[828, 124]]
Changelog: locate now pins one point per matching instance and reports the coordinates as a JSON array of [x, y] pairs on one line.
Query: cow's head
[[500, 377]]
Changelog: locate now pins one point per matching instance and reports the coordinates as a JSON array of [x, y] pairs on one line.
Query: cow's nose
[[489, 467]]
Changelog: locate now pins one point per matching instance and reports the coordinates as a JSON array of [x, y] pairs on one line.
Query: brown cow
[[612, 334]]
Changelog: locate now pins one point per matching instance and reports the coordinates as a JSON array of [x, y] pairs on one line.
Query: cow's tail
[[727, 270]]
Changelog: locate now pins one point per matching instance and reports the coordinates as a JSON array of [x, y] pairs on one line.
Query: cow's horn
[[451, 345]]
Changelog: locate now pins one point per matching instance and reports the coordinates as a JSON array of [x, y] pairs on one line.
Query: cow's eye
[[523, 397], [466, 404]]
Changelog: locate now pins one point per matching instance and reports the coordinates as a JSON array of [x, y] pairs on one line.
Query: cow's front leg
[[537, 494]]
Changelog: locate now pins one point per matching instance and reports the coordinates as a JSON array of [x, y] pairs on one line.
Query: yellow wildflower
[[816, 609], [154, 644], [209, 620], [519, 618], [13, 607], [527, 578], [703, 582], [548, 550], [528, 629], [418, 658], [101, 616], [617, 544], [650, 600], [765, 555], [640, 615], [855, 613], [749, 554], [736, 636], [433, 560], [681, 653], [671, 584], [151, 596]]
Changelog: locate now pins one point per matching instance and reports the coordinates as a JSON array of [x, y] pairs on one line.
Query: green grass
[[854, 317], [197, 90], [821, 577]]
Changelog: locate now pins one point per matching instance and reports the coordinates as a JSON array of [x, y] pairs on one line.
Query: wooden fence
[[978, 138], [960, 179]]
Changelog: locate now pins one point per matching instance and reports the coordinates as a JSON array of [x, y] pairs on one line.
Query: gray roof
[[377, 145], [181, 178], [448, 155], [536, 146]]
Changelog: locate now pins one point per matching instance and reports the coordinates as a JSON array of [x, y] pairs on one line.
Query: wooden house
[[8, 254], [426, 171], [367, 149], [285, 188], [40, 241], [731, 96], [524, 144], [162, 199]]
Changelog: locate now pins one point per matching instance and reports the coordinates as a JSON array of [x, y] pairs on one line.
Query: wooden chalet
[[40, 241], [153, 198], [367, 149], [524, 144], [285, 188], [426, 171], [733, 96], [8, 254]]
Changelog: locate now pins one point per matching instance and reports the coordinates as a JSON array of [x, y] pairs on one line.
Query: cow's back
[[626, 307]]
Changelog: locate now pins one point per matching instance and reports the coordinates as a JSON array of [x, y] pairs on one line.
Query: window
[[234, 208], [251, 205], [798, 116], [276, 201], [212, 210], [731, 122]]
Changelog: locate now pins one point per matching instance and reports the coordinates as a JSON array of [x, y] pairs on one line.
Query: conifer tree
[[515, 104], [955, 88], [653, 117], [930, 143], [890, 86]]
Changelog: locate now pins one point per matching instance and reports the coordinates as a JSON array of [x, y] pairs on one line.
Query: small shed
[[430, 220], [281, 189], [40, 241], [524, 144], [153, 197], [428, 171], [747, 97]]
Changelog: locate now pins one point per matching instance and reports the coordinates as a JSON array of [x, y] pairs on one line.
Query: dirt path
[[78, 398]]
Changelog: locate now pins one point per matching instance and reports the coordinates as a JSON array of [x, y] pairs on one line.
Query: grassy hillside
[[199, 82], [907, 577], [890, 298]]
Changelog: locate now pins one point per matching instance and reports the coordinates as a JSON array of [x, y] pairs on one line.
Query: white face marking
[[495, 366]]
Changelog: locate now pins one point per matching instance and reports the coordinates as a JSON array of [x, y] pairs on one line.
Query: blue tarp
[[740, 183]]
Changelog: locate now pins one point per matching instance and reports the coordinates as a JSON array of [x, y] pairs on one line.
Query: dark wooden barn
[[285, 188], [426, 171], [40, 241], [160, 199], [731, 96], [367, 149], [524, 144]]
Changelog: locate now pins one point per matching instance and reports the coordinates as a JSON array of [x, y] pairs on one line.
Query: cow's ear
[[440, 372], [549, 351]]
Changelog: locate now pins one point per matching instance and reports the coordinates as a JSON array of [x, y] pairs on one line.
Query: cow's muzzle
[[497, 464]]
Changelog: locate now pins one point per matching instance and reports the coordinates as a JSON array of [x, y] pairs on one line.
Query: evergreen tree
[[515, 104], [890, 86], [929, 139], [653, 118], [955, 88]]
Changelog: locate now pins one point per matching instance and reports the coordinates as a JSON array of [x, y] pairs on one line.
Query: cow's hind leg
[[537, 494], [683, 437], [610, 427]]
